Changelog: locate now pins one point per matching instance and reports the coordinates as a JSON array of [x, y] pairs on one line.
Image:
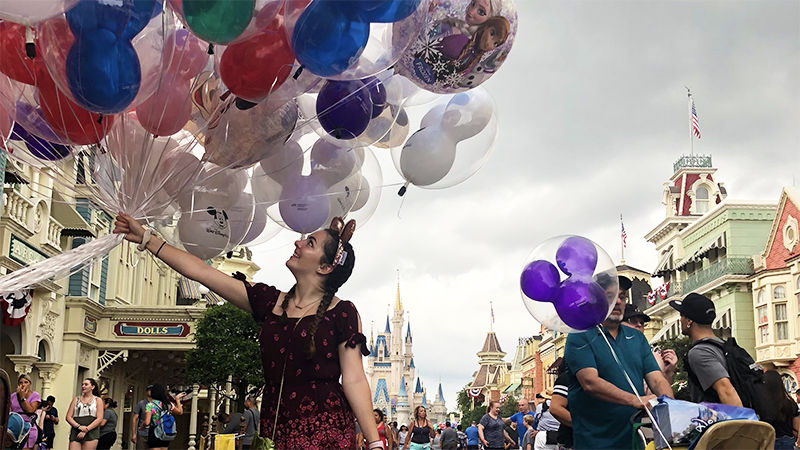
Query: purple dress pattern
[[15, 407], [313, 413]]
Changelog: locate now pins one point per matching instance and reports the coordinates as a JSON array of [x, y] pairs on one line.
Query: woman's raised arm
[[185, 263]]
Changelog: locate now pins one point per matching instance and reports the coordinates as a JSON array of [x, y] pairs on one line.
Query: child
[[530, 435]]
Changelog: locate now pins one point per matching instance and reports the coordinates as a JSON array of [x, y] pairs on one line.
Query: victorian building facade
[[125, 319], [776, 289], [705, 244]]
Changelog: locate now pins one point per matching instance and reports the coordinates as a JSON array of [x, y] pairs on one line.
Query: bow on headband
[[345, 232]]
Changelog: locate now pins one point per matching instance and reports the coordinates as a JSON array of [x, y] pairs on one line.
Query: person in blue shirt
[[601, 402], [472, 436], [518, 418]]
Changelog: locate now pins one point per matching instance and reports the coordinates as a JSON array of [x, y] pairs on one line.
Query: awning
[[64, 212], [664, 264], [213, 299], [12, 177], [512, 388], [555, 366], [719, 242], [723, 321], [189, 289]]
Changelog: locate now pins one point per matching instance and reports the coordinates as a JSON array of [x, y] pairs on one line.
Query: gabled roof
[[790, 200]]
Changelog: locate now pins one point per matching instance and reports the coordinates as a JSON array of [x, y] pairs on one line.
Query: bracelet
[[159, 248], [375, 444], [145, 240]]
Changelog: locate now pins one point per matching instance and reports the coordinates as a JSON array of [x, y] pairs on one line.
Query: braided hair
[[332, 283]]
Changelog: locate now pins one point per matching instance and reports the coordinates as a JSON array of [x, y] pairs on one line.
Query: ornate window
[[701, 200], [761, 297], [781, 322], [779, 293], [762, 322]]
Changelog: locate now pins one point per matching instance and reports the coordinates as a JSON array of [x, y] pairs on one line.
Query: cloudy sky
[[592, 112]]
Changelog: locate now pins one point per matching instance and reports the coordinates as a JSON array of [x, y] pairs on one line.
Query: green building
[[705, 245]]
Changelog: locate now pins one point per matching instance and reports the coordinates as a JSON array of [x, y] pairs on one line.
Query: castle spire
[[371, 331], [398, 305]]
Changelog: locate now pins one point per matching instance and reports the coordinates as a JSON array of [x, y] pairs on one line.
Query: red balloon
[[70, 121], [253, 68], [13, 60]]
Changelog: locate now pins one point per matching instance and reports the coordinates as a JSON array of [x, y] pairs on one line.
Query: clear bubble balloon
[[569, 284], [28, 13], [462, 44]]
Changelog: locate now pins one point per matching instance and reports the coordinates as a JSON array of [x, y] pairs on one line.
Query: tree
[[468, 413], [680, 345], [509, 407], [226, 344]]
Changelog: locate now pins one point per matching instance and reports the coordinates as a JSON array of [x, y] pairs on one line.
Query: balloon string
[[630, 382]]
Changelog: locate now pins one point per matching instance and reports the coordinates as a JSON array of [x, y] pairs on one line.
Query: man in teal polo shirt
[[600, 399]]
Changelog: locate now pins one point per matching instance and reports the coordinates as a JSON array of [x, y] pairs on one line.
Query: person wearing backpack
[[158, 419], [25, 402], [709, 380]]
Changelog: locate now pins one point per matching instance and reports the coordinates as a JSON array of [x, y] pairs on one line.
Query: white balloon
[[427, 156], [205, 230]]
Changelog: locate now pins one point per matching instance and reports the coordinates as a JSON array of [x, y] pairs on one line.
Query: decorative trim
[[107, 357], [90, 324], [790, 233]]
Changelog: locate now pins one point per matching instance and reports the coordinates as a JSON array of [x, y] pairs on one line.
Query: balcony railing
[[727, 266], [692, 161], [17, 207], [54, 234]]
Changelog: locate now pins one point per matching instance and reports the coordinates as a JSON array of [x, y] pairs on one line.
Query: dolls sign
[[461, 46]]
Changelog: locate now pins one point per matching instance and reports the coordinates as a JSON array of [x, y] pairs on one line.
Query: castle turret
[[403, 408]]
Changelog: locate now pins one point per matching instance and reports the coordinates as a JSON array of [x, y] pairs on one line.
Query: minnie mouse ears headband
[[345, 232]]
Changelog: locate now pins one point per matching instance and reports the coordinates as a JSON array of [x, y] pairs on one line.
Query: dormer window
[[701, 200]]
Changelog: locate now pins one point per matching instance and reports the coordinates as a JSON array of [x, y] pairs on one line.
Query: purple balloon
[[304, 206], [39, 147], [581, 304], [32, 119], [540, 281], [577, 256], [344, 108], [377, 93]]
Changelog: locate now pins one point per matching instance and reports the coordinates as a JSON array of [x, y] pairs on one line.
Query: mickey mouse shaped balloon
[[574, 294]]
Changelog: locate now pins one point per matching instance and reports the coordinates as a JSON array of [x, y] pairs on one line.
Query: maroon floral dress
[[313, 413]]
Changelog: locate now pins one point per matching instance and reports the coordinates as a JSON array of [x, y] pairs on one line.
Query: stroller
[[724, 435]]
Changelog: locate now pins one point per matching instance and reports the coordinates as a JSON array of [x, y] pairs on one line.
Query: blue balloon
[[384, 11], [326, 40], [39, 147], [103, 72], [124, 19], [140, 14]]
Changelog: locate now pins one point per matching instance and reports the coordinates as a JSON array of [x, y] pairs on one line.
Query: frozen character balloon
[[462, 37]]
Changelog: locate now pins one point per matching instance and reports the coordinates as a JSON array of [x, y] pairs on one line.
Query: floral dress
[[312, 411]]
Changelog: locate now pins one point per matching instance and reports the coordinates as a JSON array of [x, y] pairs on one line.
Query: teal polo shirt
[[598, 424]]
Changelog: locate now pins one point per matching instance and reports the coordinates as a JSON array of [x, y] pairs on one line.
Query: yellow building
[[126, 320]]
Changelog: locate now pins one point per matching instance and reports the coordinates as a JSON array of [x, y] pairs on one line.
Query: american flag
[[491, 308], [624, 234], [695, 122]]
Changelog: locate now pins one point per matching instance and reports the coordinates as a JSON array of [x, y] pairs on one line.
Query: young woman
[[384, 432], [419, 438], [25, 402], [490, 429], [108, 426], [402, 433], [785, 417], [84, 415], [157, 405], [309, 338]]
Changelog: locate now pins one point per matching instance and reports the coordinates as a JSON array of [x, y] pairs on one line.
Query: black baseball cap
[[696, 307], [631, 312], [50, 399], [624, 283]]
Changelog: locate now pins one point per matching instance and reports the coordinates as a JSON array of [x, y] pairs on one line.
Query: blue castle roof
[[411, 364], [441, 394], [381, 391], [402, 392], [388, 330], [424, 400], [419, 386]]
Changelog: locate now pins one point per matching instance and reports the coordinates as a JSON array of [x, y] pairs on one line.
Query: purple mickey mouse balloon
[[579, 302], [577, 256], [540, 280]]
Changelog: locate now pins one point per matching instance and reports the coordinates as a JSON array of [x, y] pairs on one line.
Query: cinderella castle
[[391, 373]]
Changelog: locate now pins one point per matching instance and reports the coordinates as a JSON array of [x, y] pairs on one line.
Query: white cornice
[[727, 205]]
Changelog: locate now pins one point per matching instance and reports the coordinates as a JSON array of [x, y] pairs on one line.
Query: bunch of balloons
[[221, 122]]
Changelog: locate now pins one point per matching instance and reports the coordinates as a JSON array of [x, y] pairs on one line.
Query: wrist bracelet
[[145, 240], [375, 444], [159, 248]]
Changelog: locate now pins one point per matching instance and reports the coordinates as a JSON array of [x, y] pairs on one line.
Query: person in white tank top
[[84, 415]]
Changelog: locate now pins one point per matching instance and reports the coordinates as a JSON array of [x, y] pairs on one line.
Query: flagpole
[[691, 141], [621, 241], [491, 309]]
